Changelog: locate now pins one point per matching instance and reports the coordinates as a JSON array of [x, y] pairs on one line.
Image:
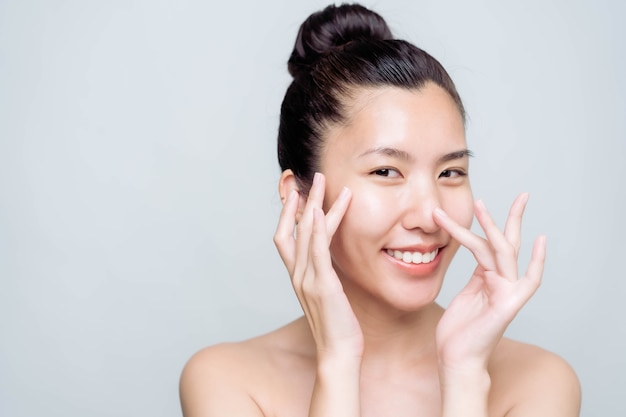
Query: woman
[[376, 202]]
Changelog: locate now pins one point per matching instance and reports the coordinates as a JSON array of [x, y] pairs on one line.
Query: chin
[[414, 299], [404, 295]]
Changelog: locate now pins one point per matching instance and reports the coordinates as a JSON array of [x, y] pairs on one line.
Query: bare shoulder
[[529, 380], [213, 382], [236, 378]]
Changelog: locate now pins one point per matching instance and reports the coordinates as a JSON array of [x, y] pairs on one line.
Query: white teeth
[[413, 257]]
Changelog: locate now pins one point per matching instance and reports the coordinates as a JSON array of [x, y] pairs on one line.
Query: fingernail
[[480, 204], [316, 178], [440, 212], [292, 195], [344, 193], [525, 197]]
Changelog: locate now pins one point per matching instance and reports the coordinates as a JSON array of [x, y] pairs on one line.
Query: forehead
[[396, 117]]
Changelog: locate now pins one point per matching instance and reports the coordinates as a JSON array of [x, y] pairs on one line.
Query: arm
[[539, 384], [335, 329], [214, 381], [477, 317], [336, 389], [464, 393]]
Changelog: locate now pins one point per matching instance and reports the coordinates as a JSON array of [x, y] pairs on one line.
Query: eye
[[386, 172], [452, 173]]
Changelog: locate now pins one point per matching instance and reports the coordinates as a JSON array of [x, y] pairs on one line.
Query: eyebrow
[[405, 156], [391, 152], [464, 153]]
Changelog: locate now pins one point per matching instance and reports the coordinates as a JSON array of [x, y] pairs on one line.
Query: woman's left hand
[[477, 317]]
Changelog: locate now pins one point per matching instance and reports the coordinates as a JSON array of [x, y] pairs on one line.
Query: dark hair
[[337, 50]]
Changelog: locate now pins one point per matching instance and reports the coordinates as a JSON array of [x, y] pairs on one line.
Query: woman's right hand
[[306, 255]]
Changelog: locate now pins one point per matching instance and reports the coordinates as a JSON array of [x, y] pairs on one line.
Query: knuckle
[[280, 243], [308, 288]]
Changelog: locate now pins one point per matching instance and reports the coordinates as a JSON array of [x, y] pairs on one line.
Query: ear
[[287, 184]]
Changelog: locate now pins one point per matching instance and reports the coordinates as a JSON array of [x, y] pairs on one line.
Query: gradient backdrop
[[138, 183]]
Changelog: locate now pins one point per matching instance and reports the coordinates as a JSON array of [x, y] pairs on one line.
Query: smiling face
[[402, 153]]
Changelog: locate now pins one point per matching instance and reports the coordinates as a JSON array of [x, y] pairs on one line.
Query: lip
[[416, 270], [421, 249]]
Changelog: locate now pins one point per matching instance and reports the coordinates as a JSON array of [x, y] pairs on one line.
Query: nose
[[419, 202]]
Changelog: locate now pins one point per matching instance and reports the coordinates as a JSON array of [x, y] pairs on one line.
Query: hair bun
[[330, 28]]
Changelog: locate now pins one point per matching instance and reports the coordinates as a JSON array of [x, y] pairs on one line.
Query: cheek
[[360, 232], [366, 216]]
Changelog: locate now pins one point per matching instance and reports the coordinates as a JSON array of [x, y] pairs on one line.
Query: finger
[[513, 226], [283, 237], [492, 233], [320, 254], [534, 273], [336, 212], [304, 226], [310, 288], [477, 245], [505, 253]]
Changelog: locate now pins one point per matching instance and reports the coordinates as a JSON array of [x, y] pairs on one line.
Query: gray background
[[138, 183]]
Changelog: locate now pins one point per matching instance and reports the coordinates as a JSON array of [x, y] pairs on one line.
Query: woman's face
[[402, 154]]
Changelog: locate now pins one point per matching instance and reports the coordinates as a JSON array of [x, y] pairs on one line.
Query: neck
[[395, 338]]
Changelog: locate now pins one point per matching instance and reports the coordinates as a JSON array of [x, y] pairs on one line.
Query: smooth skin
[[372, 341]]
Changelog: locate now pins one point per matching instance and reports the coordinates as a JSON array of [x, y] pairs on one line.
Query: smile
[[413, 257]]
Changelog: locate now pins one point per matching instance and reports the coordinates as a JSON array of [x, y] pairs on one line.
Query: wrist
[[337, 386], [464, 392], [329, 363], [476, 379]]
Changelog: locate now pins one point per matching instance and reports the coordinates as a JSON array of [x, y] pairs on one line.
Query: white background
[[138, 183]]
